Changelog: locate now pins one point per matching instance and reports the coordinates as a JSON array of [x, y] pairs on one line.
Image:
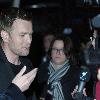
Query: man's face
[[20, 38]]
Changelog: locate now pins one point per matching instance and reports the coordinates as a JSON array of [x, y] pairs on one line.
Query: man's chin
[[24, 54]]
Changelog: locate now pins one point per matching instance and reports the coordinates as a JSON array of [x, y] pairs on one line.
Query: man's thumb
[[21, 71]]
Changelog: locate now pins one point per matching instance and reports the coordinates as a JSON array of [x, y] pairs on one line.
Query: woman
[[58, 77]]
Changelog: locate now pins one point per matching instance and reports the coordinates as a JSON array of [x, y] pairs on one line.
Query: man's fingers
[[33, 75], [30, 75], [32, 72], [21, 72]]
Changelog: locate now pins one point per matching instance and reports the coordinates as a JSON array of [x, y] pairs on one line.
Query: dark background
[[55, 15]]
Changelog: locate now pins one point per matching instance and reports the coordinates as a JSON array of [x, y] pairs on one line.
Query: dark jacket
[[12, 93], [68, 82]]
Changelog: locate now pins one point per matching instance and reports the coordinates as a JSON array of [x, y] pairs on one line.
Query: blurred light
[[96, 21], [67, 31], [16, 3], [44, 5]]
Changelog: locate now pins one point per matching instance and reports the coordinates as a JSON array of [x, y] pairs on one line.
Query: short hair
[[68, 46], [8, 16]]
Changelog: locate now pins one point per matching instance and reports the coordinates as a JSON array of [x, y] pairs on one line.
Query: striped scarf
[[54, 80]]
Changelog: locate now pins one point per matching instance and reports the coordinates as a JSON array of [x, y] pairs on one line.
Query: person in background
[[20, 83], [92, 46], [90, 86], [16, 34], [97, 90], [47, 39], [58, 77]]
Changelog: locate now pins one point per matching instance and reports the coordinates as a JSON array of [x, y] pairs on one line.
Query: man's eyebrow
[[26, 33]]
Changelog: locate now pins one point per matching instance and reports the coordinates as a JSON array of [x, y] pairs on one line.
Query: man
[[16, 34]]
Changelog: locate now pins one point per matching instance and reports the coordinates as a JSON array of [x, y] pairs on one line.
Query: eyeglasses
[[60, 51]]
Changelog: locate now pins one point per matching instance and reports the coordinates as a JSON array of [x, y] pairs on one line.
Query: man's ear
[[4, 36]]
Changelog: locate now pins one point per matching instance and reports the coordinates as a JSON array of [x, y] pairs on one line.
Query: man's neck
[[11, 57]]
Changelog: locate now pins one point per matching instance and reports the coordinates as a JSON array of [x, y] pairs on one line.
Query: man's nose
[[29, 39]]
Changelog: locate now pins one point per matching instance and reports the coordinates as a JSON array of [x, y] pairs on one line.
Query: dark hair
[[8, 16], [46, 34], [67, 45]]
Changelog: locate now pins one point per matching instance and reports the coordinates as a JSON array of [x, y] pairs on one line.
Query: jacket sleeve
[[12, 93]]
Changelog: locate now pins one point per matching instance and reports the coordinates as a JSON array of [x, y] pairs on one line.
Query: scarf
[[54, 80]]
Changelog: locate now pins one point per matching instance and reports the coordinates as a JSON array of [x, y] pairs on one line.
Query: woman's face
[[57, 53]]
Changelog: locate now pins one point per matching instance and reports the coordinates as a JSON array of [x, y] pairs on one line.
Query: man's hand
[[24, 81]]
